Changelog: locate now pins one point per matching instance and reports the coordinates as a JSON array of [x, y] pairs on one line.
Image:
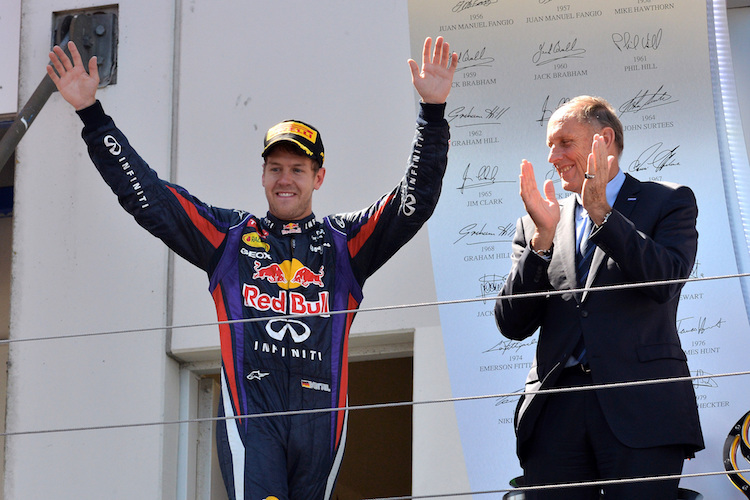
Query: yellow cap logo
[[253, 240], [295, 128]]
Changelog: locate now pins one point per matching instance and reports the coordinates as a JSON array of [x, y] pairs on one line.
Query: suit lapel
[[628, 196], [564, 275], [625, 202]]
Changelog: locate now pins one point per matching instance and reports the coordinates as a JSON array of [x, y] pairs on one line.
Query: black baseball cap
[[304, 136]]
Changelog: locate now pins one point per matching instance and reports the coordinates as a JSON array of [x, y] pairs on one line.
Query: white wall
[[10, 29], [6, 239], [81, 265], [10, 15]]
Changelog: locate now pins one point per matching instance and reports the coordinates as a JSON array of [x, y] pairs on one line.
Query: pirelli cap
[[304, 136]]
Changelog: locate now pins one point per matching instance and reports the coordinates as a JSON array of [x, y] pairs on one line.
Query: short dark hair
[[291, 148], [597, 111]]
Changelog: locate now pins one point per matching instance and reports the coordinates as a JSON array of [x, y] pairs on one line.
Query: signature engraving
[[470, 232], [547, 111], [510, 345], [655, 157], [552, 175], [491, 284], [629, 41], [476, 60], [470, 4], [696, 272], [508, 230], [645, 99], [555, 51], [509, 399], [699, 325], [485, 176], [462, 113], [703, 382], [490, 116]]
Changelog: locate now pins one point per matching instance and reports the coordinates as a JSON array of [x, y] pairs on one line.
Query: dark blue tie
[[584, 254]]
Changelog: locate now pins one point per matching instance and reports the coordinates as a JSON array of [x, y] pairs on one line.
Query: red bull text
[[284, 302]]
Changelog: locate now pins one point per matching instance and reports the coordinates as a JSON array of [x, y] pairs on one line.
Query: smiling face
[[569, 143], [289, 180]]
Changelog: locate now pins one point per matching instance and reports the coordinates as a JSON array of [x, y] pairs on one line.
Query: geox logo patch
[[316, 386]]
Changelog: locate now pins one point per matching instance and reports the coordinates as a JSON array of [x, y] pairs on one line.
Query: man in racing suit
[[269, 269]]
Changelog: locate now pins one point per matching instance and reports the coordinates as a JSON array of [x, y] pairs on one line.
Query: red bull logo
[[304, 277], [271, 272], [283, 303], [291, 228], [289, 274]]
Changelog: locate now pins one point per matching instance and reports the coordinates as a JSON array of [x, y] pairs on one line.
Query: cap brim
[[305, 150]]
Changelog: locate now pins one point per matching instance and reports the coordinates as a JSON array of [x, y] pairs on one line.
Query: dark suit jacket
[[630, 334]]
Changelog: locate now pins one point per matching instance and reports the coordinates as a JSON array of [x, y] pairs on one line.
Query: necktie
[[584, 252]]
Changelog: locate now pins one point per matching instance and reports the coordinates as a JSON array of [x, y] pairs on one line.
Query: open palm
[[77, 86], [434, 81]]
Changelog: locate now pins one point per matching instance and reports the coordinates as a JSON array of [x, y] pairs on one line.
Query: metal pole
[[24, 119], [79, 31]]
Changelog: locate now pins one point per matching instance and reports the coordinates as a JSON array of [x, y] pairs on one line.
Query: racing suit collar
[[290, 227]]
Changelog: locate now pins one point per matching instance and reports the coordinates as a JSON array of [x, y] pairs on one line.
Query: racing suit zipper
[[292, 245]]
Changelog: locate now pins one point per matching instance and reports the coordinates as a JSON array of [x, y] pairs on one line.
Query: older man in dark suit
[[613, 230]]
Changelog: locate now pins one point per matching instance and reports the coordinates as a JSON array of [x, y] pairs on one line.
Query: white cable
[[548, 293], [414, 403], [376, 405]]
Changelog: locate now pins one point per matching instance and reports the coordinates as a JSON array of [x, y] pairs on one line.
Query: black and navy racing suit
[[262, 267]]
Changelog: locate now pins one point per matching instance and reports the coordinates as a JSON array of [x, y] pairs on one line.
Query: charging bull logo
[[305, 277], [289, 274], [271, 272]]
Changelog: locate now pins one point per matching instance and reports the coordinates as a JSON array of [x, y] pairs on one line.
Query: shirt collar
[[290, 227]]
